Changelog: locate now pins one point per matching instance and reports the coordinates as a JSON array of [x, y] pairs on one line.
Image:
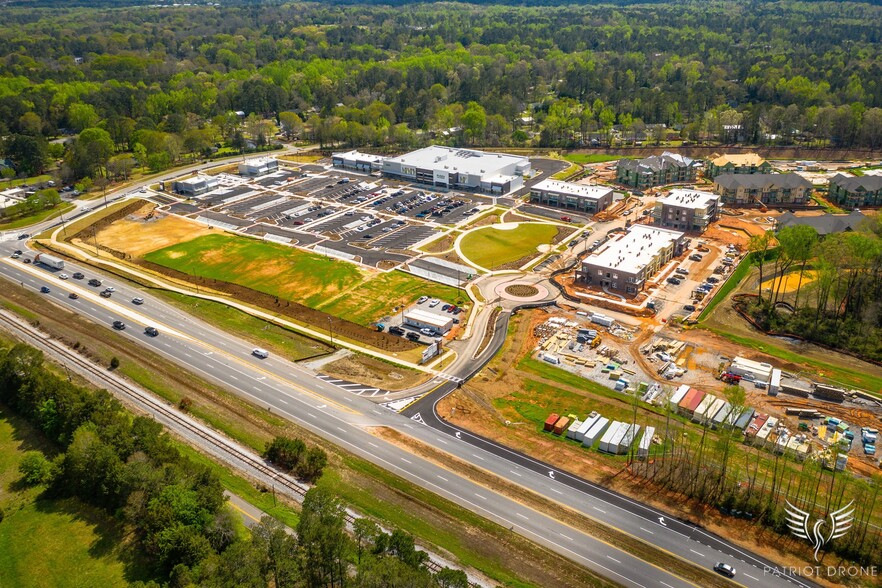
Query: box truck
[[49, 261]]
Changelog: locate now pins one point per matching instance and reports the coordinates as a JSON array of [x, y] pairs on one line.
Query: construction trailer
[[687, 400], [699, 414], [678, 396], [573, 428], [763, 433], [625, 439], [586, 426], [645, 442], [595, 432], [712, 410], [743, 419], [611, 437], [721, 416], [693, 403], [775, 382], [751, 370], [755, 425]]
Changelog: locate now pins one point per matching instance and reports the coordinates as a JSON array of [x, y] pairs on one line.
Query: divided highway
[[295, 392]]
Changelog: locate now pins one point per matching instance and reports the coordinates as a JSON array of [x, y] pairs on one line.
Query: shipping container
[[756, 424], [624, 441], [561, 425], [710, 413], [687, 400], [645, 442], [549, 422], [611, 433], [595, 432], [775, 382], [689, 409]]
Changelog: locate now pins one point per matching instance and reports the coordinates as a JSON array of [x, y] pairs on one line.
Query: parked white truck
[[50, 261]]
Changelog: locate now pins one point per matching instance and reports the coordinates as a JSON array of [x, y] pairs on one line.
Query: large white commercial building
[[358, 161], [572, 196], [463, 169], [258, 166], [626, 261], [426, 319], [196, 185]]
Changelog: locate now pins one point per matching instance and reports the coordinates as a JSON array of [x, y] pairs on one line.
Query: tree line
[[827, 290], [161, 84], [716, 468], [174, 508]]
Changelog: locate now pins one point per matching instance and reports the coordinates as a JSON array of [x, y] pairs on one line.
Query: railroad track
[[174, 419]]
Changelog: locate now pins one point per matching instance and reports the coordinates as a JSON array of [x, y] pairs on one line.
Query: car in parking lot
[[445, 307], [427, 331], [78, 276], [119, 325], [713, 279], [137, 300], [725, 569], [452, 308], [422, 299], [695, 257], [44, 289], [674, 281], [396, 331], [689, 307], [682, 270], [151, 331], [413, 336], [434, 302]]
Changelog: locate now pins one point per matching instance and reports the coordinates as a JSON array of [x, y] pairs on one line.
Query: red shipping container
[[549, 422]]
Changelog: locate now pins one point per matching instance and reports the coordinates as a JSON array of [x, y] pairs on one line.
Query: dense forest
[[161, 83], [173, 509]]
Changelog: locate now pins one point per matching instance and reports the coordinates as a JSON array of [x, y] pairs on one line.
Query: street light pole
[[331, 331]]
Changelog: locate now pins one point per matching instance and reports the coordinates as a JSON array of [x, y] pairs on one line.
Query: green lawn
[[36, 218], [490, 248], [47, 542], [335, 286], [11, 183], [583, 158]]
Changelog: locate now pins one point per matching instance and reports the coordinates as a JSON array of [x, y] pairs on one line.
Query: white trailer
[[706, 402], [50, 261], [674, 402], [751, 370], [625, 439], [573, 428], [586, 426], [645, 442], [712, 410], [596, 430], [611, 437]]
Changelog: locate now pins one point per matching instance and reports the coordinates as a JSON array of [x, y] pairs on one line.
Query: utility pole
[[331, 331]]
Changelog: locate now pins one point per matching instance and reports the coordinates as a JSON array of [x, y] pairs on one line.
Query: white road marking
[[523, 516], [341, 429], [647, 531], [599, 509], [696, 552], [515, 473], [665, 584], [312, 415], [406, 460], [566, 537], [443, 478], [751, 577], [282, 401], [479, 496], [478, 456], [614, 559], [373, 445]]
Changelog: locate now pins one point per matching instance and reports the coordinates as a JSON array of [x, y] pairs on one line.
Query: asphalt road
[[296, 393]]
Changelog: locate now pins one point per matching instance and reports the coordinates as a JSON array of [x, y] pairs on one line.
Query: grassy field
[[47, 543], [331, 285], [36, 218], [490, 248], [12, 183], [583, 158]]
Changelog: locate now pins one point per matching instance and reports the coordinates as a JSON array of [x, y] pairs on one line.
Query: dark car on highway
[[78, 276], [44, 289], [151, 331], [725, 569], [119, 325], [94, 282]]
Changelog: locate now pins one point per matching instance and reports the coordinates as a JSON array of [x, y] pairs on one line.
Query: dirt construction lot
[[138, 236]]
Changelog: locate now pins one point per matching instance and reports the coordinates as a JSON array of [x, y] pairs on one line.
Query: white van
[[261, 353]]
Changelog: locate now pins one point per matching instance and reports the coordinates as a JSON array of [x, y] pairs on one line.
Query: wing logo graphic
[[839, 523]]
